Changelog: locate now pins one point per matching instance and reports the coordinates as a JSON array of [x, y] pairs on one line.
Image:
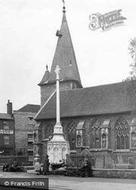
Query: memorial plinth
[[57, 147]]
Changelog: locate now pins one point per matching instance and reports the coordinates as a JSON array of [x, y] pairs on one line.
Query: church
[[99, 121]]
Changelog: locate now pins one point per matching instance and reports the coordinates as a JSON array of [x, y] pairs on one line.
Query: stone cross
[[57, 147], [57, 71]]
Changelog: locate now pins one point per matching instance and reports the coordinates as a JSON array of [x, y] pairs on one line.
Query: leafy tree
[[130, 81], [132, 52]]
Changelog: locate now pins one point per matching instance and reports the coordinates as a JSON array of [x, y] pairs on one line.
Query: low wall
[[115, 173], [103, 173]]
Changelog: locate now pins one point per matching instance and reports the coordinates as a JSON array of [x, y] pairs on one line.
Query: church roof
[[104, 99], [64, 57], [29, 108], [6, 116]]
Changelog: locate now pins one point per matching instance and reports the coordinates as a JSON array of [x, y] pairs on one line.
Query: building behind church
[[100, 120], [18, 132], [25, 129], [7, 132]]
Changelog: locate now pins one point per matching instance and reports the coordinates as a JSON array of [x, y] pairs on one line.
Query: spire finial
[[64, 8]]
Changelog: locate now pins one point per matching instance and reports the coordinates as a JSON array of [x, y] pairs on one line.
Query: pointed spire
[[64, 55], [45, 77]]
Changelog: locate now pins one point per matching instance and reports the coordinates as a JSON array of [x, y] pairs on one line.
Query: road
[[78, 183], [72, 183]]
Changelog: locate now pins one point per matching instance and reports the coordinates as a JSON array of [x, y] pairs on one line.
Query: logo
[[33, 183], [106, 21], [6, 183]]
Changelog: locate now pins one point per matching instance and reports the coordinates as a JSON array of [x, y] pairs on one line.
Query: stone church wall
[[105, 152]]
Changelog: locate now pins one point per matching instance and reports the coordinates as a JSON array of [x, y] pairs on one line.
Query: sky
[[28, 42]]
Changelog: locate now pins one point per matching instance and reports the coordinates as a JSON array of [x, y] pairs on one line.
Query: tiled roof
[[29, 108], [5, 116], [64, 57], [105, 99]]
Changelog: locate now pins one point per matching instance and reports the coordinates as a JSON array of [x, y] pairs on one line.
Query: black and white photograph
[[67, 94]]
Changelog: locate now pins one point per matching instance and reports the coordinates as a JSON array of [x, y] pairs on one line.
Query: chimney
[[9, 107]]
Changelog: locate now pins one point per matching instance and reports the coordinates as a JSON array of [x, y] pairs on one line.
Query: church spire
[[65, 56]]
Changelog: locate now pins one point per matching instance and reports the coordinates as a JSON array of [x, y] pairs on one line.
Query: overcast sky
[[28, 42]]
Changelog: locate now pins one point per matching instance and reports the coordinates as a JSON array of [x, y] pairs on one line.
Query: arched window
[[133, 140], [132, 124], [99, 134], [71, 134], [79, 139], [97, 138], [127, 141], [118, 141], [122, 134], [79, 134], [104, 133], [103, 140], [122, 142], [96, 134]]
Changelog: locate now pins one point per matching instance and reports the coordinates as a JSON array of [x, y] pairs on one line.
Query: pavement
[[79, 183]]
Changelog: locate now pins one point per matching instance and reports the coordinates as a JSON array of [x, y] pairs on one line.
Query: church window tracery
[[79, 134], [100, 134], [104, 134], [71, 132], [121, 134], [133, 133], [96, 133]]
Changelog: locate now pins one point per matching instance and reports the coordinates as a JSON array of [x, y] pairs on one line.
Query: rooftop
[[104, 99], [29, 108], [64, 57], [5, 116]]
